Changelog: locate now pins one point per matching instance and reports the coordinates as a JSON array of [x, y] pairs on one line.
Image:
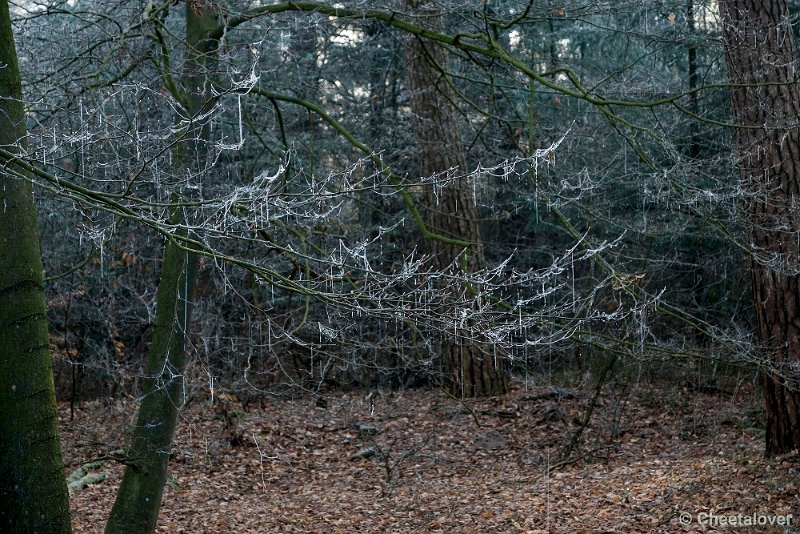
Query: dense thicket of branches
[[600, 180], [598, 155]]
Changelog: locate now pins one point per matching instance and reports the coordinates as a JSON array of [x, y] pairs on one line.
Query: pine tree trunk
[[138, 500], [33, 488], [471, 368], [766, 105]]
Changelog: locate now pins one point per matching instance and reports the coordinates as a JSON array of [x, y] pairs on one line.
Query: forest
[[399, 266]]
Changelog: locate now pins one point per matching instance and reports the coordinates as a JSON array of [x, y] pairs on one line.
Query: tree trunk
[[139, 497], [33, 488], [766, 106], [693, 81], [471, 368]]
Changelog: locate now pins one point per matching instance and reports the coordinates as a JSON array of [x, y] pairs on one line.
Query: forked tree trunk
[[33, 488], [766, 107], [138, 500], [470, 368]]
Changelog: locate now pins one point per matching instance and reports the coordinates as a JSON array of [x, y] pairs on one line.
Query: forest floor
[[420, 461]]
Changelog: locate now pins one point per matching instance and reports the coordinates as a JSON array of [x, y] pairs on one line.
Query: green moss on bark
[[33, 490]]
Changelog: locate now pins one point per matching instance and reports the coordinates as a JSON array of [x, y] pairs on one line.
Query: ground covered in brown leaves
[[419, 461]]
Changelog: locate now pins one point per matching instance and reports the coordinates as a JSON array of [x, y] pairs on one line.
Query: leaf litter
[[436, 464]]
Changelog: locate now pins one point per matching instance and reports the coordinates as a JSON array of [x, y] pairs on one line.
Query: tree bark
[[766, 107], [33, 488], [139, 496], [138, 500], [471, 368]]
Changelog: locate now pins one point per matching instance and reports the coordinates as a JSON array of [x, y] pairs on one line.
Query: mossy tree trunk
[[33, 488], [139, 497], [471, 368], [761, 60]]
